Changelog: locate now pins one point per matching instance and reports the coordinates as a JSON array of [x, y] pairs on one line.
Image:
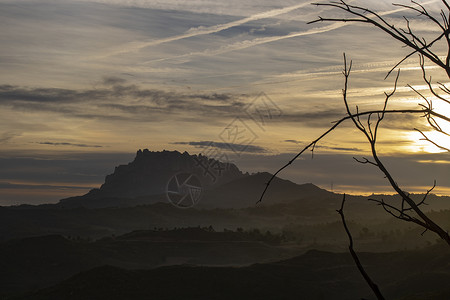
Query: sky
[[86, 83]]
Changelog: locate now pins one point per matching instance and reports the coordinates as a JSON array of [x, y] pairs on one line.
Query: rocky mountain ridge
[[149, 173]]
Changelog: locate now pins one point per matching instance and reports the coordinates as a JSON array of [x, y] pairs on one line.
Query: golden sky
[[86, 83]]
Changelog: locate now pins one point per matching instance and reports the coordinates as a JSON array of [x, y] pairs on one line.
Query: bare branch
[[406, 37], [355, 257], [425, 221], [425, 138], [339, 122], [364, 161], [381, 116], [426, 194], [336, 124], [428, 81]]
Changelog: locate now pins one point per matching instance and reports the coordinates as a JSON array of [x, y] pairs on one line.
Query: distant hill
[[315, 275], [246, 191]]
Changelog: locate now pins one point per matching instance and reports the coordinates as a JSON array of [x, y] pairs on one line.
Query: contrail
[[259, 41], [250, 43], [202, 30]]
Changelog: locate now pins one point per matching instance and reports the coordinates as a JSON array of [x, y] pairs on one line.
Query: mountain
[[146, 179], [150, 175]]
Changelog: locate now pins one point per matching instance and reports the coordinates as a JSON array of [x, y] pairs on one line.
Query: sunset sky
[[84, 84]]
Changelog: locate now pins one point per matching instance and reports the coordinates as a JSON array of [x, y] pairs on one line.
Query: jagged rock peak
[[150, 171]]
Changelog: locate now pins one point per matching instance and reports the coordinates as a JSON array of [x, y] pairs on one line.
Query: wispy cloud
[[430, 161], [119, 101], [292, 141], [254, 42], [337, 148], [202, 30], [70, 144], [7, 136], [320, 117], [225, 146], [260, 41], [113, 80], [7, 185]]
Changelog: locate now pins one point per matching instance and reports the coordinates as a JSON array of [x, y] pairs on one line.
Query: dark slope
[[31, 263], [314, 275], [246, 191], [39, 261]]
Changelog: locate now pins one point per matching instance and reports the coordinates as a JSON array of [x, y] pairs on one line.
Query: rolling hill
[[421, 274]]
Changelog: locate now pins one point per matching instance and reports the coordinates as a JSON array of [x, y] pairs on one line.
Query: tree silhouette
[[368, 122], [408, 209]]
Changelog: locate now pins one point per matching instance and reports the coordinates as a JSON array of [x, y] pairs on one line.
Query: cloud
[[49, 168], [319, 118], [202, 30], [251, 43], [232, 7], [430, 161], [225, 146], [366, 68], [292, 141], [117, 101], [7, 136], [10, 93], [70, 144], [123, 102], [112, 80], [34, 177], [7, 185], [338, 148], [260, 41]]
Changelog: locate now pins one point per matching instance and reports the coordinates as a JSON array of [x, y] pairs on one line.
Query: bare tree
[[407, 209], [368, 122], [417, 44]]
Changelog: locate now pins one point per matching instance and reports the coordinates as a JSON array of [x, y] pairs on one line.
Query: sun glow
[[431, 140]]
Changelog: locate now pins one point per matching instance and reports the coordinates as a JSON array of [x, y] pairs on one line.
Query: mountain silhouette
[[146, 180], [150, 172]]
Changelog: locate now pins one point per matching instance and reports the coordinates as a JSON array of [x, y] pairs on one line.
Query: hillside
[[246, 191], [38, 262], [420, 274]]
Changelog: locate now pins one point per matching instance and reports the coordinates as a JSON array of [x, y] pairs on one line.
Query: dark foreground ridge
[[421, 274]]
